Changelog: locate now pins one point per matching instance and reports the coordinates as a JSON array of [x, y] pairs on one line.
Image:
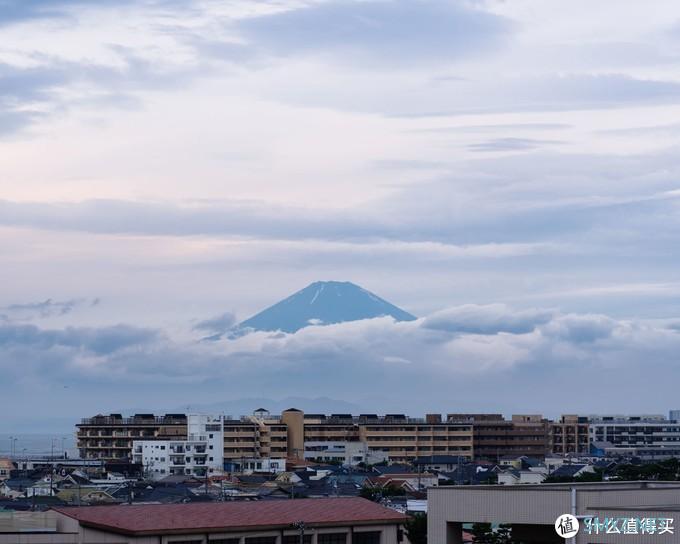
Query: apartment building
[[110, 437], [258, 436], [568, 435], [647, 436], [495, 437], [398, 436], [200, 455]]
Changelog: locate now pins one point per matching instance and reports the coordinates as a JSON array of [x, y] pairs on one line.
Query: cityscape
[[339, 271]]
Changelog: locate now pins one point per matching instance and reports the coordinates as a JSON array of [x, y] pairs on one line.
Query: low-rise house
[[407, 482], [86, 496], [471, 474], [514, 477], [396, 468], [439, 463], [6, 468], [572, 471]]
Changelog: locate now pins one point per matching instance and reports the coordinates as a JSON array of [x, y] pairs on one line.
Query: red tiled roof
[[230, 516]]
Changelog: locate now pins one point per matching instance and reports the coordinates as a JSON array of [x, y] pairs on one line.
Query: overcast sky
[[508, 171]]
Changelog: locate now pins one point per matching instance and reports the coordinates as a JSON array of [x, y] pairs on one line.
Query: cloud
[[216, 325], [32, 93], [487, 319], [390, 32], [13, 11], [47, 308], [512, 144], [95, 341], [465, 349]]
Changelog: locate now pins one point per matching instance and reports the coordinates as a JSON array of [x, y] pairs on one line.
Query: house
[[407, 482], [572, 471], [6, 467], [396, 468], [514, 477], [471, 474], [86, 496], [439, 463]]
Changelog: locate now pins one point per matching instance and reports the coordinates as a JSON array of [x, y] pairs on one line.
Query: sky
[[506, 170]]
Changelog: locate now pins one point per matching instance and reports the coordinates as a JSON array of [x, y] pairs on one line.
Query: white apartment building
[[641, 435], [349, 453], [200, 455]]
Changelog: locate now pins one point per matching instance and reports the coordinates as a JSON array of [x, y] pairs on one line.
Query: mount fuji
[[323, 303]]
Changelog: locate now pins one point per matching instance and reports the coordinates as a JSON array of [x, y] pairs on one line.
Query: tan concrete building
[[568, 435], [325, 521], [6, 467], [110, 437], [494, 437], [532, 510], [402, 438]]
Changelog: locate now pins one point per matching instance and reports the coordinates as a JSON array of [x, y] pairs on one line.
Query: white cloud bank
[[461, 358]]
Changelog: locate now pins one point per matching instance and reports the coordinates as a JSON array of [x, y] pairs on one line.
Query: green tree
[[483, 533], [416, 529]]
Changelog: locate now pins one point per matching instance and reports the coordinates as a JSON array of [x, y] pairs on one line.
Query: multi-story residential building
[[495, 437], [253, 437], [110, 437], [294, 434], [569, 434], [200, 454], [648, 436], [400, 437]]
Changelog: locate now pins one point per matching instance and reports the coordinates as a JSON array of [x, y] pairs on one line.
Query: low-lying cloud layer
[[461, 358]]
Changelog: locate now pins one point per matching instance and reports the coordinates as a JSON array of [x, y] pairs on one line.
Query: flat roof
[[231, 516], [596, 486], [646, 508]]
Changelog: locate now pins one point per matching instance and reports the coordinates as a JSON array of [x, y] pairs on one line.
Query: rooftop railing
[[135, 420]]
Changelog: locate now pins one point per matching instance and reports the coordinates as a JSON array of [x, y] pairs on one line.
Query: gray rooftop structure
[[533, 509]]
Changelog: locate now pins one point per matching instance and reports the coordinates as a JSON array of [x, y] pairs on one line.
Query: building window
[[185, 541], [371, 537], [225, 541], [295, 539], [332, 538], [261, 540]]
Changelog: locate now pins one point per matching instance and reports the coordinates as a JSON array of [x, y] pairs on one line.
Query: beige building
[[6, 466], [110, 438], [324, 521], [402, 438], [568, 435]]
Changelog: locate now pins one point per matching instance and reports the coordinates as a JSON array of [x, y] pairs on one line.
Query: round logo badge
[[566, 526]]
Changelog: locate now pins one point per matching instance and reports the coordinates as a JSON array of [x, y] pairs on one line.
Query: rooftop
[[230, 516]]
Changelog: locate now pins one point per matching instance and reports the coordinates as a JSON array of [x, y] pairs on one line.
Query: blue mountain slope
[[323, 303]]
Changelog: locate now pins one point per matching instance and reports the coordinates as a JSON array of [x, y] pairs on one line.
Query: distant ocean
[[38, 444]]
